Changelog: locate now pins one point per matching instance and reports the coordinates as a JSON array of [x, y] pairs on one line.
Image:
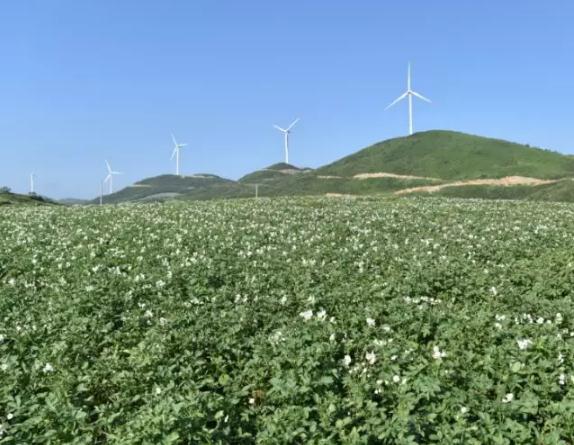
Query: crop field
[[288, 321]]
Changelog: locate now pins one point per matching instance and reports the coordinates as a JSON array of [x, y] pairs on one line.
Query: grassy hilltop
[[453, 155], [424, 159], [15, 199]]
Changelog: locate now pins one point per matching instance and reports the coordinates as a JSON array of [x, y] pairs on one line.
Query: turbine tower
[[176, 149], [110, 177], [286, 132], [409, 95], [32, 179]]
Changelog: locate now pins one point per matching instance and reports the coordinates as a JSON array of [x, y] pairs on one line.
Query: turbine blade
[[420, 96], [173, 139], [397, 100], [108, 166], [279, 128], [107, 178], [293, 124], [174, 153]]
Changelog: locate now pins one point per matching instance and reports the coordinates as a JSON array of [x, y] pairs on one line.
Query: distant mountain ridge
[[390, 167]]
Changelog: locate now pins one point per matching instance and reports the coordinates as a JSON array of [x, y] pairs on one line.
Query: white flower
[[158, 390], [4, 367], [321, 315], [437, 354], [251, 401], [148, 314], [48, 368], [494, 291], [508, 398], [307, 315], [9, 416], [347, 360], [562, 380], [332, 337], [371, 357], [370, 321], [524, 343], [2, 338], [463, 410], [396, 379], [283, 301]]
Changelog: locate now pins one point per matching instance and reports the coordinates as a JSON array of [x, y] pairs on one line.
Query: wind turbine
[[32, 178], [110, 177], [286, 132], [409, 95], [176, 149]]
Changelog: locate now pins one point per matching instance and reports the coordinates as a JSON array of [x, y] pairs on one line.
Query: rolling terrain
[[437, 163], [15, 199]]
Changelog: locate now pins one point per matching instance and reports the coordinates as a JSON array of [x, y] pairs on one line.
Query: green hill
[[278, 171], [562, 190], [165, 187], [452, 155], [14, 199], [424, 159]]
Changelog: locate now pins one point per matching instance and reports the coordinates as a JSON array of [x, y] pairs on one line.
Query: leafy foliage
[[288, 321]]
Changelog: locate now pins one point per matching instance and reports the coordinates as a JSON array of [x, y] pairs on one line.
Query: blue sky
[[84, 81]]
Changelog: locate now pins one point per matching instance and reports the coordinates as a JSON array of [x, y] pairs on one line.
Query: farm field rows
[[300, 320]]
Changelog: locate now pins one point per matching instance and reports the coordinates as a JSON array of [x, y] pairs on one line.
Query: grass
[[452, 155], [559, 191], [11, 199], [434, 156]]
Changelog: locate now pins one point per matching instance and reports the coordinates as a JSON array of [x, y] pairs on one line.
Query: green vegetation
[[165, 187], [428, 158], [274, 172], [8, 198], [559, 191], [451, 155], [301, 320]]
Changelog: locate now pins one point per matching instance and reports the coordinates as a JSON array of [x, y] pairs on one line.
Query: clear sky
[[82, 81]]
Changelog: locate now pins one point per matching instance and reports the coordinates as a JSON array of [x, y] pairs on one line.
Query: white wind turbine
[[409, 94], [32, 183], [110, 177], [176, 150], [286, 132]]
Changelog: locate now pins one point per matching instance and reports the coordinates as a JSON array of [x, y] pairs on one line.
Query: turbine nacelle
[[409, 94], [110, 177], [176, 151], [286, 132]]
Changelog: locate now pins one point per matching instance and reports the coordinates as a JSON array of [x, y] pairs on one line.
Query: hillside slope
[[14, 199], [429, 159], [279, 171], [165, 187], [451, 155]]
